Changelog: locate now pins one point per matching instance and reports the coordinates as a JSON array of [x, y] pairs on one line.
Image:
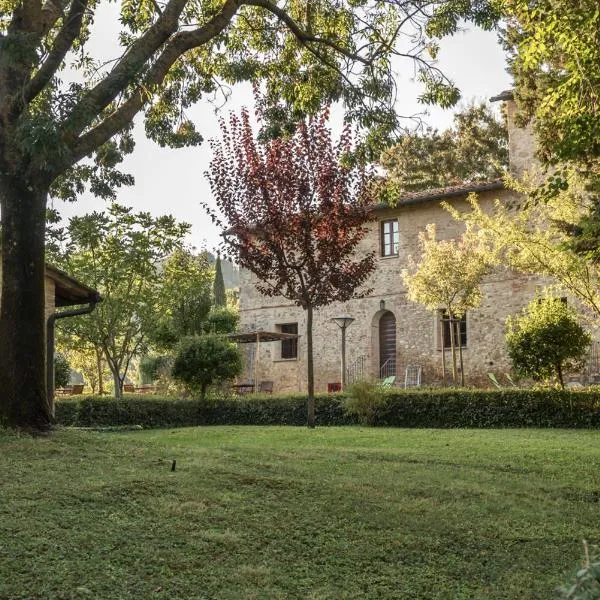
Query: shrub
[[204, 360], [365, 401], [62, 370], [585, 584], [546, 340], [412, 408], [222, 319]]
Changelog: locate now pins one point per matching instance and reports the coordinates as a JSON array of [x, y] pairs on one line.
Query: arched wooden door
[[387, 344]]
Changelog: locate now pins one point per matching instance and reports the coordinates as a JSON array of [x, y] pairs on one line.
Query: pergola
[[256, 337]]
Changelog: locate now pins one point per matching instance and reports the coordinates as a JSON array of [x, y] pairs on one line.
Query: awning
[[250, 337], [256, 337]]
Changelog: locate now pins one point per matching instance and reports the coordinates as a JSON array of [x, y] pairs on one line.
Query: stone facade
[[417, 329]]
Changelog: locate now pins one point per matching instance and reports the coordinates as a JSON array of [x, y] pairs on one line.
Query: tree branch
[[302, 36], [179, 44], [126, 70], [62, 44]]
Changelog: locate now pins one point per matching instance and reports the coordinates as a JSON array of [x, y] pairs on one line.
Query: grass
[[279, 512]]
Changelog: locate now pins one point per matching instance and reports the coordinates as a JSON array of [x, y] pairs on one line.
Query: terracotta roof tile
[[421, 197]]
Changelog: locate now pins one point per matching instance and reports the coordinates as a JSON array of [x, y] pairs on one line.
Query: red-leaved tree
[[294, 213]]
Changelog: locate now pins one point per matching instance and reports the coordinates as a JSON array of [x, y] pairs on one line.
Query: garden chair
[[388, 381], [77, 389], [334, 387], [412, 376]]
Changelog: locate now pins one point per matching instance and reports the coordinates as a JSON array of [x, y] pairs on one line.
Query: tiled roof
[[411, 198]]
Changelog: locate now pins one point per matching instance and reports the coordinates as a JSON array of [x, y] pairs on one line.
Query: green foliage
[[365, 401], [585, 583], [184, 298], [555, 60], [219, 285], [432, 408], [546, 340], [155, 367], [474, 149], [222, 320], [62, 370], [118, 254], [203, 360]]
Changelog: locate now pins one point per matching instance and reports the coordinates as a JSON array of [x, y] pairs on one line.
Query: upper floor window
[[289, 348], [390, 237]]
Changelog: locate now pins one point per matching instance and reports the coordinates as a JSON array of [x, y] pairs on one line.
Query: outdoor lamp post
[[343, 322]]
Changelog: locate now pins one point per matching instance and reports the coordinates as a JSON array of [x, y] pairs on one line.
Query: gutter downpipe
[[50, 343]]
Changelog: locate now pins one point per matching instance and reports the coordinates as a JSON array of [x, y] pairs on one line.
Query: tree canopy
[[447, 276], [474, 149]]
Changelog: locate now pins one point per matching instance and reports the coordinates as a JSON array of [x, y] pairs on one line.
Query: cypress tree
[[219, 285]]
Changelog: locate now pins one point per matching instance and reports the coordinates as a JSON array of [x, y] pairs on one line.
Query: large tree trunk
[[310, 368], [23, 400]]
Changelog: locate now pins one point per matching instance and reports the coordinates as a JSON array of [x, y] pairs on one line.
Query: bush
[[222, 319], [62, 371], [415, 408], [585, 584], [366, 400], [204, 360], [546, 340]]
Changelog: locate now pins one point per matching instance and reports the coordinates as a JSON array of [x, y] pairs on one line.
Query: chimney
[[521, 141]]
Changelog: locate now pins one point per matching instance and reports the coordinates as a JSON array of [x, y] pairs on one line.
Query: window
[[390, 238], [289, 348], [444, 328]]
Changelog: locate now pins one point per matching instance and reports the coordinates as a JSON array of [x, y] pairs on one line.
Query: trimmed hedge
[[444, 408]]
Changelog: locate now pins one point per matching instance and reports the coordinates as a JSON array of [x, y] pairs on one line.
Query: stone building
[[389, 332]]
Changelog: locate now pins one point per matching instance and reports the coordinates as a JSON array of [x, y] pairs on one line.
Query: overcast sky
[[173, 181]]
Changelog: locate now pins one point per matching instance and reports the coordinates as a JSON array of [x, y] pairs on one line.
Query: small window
[[289, 348], [444, 330], [390, 238]]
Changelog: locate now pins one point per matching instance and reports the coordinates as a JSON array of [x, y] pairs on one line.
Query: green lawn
[[277, 512]]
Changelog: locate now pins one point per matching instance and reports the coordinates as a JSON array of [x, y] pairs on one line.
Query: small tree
[[118, 253], [62, 370], [219, 285], [204, 360], [546, 340], [295, 209], [448, 278]]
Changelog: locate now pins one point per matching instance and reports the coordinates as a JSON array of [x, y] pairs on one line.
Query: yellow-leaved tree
[[535, 237], [447, 279]]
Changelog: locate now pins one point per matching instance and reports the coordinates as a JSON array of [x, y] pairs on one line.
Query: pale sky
[[173, 182]]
